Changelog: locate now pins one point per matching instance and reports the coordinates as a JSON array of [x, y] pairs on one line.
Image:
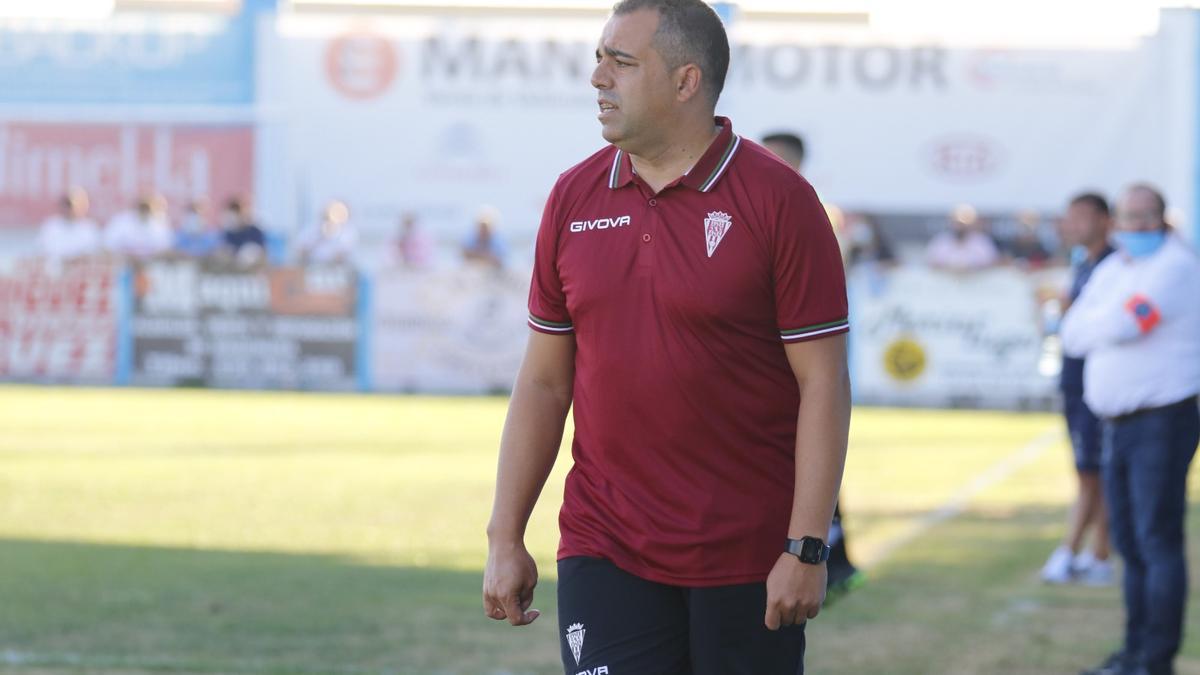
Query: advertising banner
[[116, 163], [58, 323], [129, 59], [923, 337], [203, 325], [460, 331], [443, 114]]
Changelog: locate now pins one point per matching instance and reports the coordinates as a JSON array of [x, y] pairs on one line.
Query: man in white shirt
[[333, 241], [69, 235], [140, 234], [964, 247], [1137, 322]]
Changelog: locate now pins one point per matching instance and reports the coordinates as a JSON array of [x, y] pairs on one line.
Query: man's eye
[[623, 64]]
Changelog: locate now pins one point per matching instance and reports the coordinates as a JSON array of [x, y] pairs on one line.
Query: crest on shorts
[[715, 226], [575, 640]]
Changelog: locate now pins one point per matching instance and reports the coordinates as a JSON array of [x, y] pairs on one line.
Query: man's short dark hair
[[1160, 202], [689, 31], [236, 205], [1094, 200], [790, 141]]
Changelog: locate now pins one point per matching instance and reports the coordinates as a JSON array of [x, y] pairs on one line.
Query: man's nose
[[600, 79]]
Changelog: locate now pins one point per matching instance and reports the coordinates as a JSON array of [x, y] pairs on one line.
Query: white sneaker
[[1090, 571], [1058, 568]]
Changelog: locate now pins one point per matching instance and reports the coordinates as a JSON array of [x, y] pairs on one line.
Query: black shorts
[[614, 623], [1084, 428]]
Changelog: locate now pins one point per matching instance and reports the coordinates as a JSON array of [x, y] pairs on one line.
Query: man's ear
[[689, 82]]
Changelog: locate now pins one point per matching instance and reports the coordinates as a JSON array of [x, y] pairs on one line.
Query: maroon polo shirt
[[685, 406]]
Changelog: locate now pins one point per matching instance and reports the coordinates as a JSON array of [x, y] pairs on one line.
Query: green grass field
[[223, 532]]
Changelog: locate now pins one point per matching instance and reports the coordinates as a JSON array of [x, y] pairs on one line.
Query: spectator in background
[[483, 245], [867, 243], [243, 241], [1137, 322], [332, 241], [1086, 227], [196, 238], [786, 146], [69, 234], [142, 233], [1026, 247], [843, 576], [965, 246], [413, 247]]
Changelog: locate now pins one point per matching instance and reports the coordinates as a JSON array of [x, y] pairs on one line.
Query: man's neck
[[676, 156], [1096, 249]]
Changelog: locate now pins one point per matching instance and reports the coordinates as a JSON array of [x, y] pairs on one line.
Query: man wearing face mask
[[1137, 322], [195, 239]]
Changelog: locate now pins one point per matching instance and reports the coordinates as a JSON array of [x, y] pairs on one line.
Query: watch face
[[811, 551]]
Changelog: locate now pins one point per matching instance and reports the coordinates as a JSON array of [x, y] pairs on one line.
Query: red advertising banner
[[58, 323], [117, 162]]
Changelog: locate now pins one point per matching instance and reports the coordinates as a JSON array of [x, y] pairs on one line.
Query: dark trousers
[[1146, 459], [614, 623]]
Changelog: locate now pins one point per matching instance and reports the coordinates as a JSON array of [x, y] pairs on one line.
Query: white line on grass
[[997, 473]]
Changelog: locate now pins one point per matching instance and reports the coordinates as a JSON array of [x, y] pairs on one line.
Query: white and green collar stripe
[[721, 165], [552, 326], [615, 172], [814, 330]]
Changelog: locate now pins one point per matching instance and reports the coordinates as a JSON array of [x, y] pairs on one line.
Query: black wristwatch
[[810, 550]]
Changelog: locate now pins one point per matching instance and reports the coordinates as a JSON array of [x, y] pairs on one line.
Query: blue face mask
[[1139, 244]]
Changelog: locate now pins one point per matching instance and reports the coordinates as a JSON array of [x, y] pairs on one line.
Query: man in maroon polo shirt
[[688, 297]]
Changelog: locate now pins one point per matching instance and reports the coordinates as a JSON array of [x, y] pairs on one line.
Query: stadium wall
[[919, 337]]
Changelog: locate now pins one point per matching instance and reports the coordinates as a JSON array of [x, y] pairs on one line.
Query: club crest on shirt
[[715, 226], [575, 640]]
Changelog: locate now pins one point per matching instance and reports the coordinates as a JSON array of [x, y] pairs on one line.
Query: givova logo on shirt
[[600, 224]]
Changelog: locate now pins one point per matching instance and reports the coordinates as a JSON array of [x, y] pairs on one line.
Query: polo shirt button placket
[[653, 202], [646, 238]]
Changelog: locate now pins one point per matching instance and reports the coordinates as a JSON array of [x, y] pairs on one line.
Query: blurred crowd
[[230, 234], [233, 236], [966, 242]]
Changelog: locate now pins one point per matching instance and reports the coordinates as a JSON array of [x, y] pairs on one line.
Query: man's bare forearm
[[532, 434], [822, 428]]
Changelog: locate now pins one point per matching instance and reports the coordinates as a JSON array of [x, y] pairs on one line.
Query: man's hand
[[795, 591], [508, 582]]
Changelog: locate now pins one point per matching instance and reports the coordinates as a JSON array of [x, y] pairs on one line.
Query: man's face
[[1084, 225], [635, 91], [1138, 212], [76, 205]]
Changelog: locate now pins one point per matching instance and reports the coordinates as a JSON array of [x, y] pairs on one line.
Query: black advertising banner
[[197, 324]]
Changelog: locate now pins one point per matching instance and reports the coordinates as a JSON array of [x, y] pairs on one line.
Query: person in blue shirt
[[483, 245], [196, 238]]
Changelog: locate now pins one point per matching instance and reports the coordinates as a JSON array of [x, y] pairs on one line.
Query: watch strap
[[810, 550]]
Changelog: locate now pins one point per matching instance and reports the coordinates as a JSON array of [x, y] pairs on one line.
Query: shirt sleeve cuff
[[815, 331], [550, 327]]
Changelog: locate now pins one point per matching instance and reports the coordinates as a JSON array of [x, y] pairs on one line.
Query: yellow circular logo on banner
[[904, 360]]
